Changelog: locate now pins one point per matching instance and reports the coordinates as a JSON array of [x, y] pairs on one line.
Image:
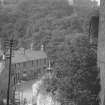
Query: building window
[[24, 64], [45, 61], [37, 63], [29, 64], [15, 66], [32, 63], [18, 65], [21, 65], [42, 62]]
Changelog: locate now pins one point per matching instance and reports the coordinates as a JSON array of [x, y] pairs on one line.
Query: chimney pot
[[42, 47]]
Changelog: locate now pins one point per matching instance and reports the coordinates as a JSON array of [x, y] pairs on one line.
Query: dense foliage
[[75, 72], [63, 31]]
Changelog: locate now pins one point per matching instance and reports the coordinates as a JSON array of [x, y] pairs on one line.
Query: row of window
[[30, 74], [34, 63]]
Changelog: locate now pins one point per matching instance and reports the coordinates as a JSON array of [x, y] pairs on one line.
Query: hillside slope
[[56, 25]]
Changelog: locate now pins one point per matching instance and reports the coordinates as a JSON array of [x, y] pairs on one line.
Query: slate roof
[[19, 55]]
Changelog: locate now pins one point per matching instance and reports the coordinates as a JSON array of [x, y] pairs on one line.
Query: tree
[[76, 72]]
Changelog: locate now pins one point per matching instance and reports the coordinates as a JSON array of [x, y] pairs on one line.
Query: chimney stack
[[32, 46], [42, 47]]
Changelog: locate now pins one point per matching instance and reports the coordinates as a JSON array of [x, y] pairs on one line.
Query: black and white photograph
[[52, 52]]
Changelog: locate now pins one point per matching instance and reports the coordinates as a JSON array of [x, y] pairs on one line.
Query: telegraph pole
[[8, 90], [9, 44]]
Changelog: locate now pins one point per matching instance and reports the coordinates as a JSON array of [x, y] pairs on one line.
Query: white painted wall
[[1, 66], [42, 98], [71, 2]]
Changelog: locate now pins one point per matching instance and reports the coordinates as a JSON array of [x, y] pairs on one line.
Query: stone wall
[[101, 50]]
